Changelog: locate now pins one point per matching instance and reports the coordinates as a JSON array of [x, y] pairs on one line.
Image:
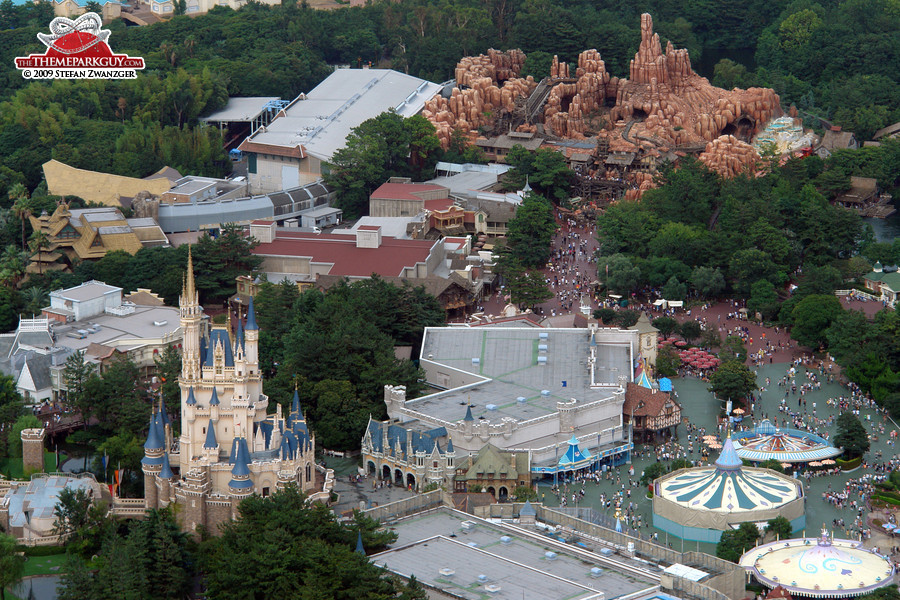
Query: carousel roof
[[727, 487], [767, 442], [819, 567]]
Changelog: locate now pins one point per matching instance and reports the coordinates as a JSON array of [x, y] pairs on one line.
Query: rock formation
[[491, 84], [729, 156]]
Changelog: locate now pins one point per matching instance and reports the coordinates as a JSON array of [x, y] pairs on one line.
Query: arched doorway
[[492, 491], [398, 477], [386, 472], [504, 495], [370, 468], [411, 480]]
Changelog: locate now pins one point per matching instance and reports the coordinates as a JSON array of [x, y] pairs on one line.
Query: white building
[[289, 151]]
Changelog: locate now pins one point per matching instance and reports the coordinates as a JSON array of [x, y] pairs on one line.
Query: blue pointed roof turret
[[251, 317], [437, 446], [359, 544], [295, 405], [211, 442], [164, 415], [191, 400], [449, 446], [239, 336], [214, 401], [155, 441], [527, 510], [240, 472], [166, 471], [468, 416], [728, 460]]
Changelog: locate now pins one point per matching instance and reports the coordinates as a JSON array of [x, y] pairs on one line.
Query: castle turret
[[240, 485], [251, 340], [189, 305], [164, 479], [151, 464], [211, 445]]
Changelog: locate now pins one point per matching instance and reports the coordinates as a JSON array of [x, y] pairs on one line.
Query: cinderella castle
[[229, 448]]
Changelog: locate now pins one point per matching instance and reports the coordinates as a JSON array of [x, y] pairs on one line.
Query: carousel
[[767, 442], [700, 503], [820, 567]]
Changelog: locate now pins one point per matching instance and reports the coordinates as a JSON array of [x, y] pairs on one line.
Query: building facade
[[229, 446]]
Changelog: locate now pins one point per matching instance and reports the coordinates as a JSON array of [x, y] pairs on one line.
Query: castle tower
[[165, 478], [240, 485], [152, 463], [189, 304], [33, 450]]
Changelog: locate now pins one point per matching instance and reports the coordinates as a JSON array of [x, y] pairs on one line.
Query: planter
[[849, 465]]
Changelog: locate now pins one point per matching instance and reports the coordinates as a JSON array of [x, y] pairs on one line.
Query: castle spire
[[189, 290], [251, 317]]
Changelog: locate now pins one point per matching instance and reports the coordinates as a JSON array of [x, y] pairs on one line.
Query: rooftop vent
[[550, 555], [476, 361], [542, 360], [506, 540], [521, 399], [160, 323], [447, 572], [492, 588], [472, 545], [491, 406], [482, 578], [467, 525], [596, 572], [542, 347], [545, 393], [543, 335]]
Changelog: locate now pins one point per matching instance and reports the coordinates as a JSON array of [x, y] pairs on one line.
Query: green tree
[[218, 262], [811, 318], [627, 318], [674, 289], [690, 330], [94, 7], [667, 362], [732, 381], [287, 545], [527, 288], [708, 282], [340, 416], [168, 368], [543, 169], [12, 563], [377, 149], [851, 436], [735, 542], [14, 439], [653, 472], [619, 273], [665, 325], [75, 375], [606, 315], [530, 233], [11, 405], [21, 207], [779, 527], [763, 298], [38, 242]]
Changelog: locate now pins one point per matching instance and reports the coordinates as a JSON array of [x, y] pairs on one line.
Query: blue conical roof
[[239, 336], [728, 459], [166, 471], [449, 446], [214, 401], [164, 416], [468, 416], [295, 405], [251, 317], [241, 466], [191, 401], [155, 441], [211, 442]]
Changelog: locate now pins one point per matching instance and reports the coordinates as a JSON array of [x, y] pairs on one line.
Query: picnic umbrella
[[681, 343], [889, 526], [815, 463], [828, 461], [785, 465], [738, 411], [715, 446]]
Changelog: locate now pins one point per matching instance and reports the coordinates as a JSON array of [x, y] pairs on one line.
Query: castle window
[[265, 492], [434, 464]]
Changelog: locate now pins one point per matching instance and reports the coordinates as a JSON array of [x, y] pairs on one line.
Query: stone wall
[[33, 450]]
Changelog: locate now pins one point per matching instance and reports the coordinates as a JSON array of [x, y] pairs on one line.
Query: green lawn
[[12, 467], [45, 565]]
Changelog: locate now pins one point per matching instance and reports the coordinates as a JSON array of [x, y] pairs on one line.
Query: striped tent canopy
[[766, 442]]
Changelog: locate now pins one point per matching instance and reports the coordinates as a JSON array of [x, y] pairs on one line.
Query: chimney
[[835, 128], [263, 230], [368, 236]]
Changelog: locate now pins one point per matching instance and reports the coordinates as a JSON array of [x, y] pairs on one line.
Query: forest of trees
[[835, 61]]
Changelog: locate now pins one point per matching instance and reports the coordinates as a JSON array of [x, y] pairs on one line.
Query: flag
[[105, 461], [111, 490]]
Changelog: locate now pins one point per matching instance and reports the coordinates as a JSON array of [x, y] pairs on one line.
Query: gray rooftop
[[436, 540], [320, 211], [322, 119], [466, 181], [40, 495], [508, 362], [86, 291], [188, 185], [395, 227], [124, 332], [240, 109]]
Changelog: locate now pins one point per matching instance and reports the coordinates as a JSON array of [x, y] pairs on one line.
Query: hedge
[[847, 465]]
